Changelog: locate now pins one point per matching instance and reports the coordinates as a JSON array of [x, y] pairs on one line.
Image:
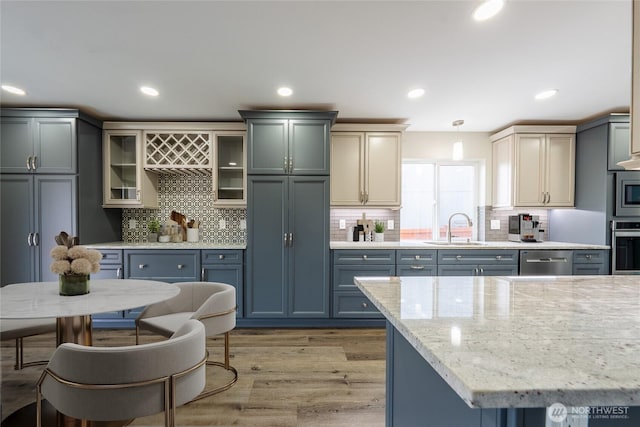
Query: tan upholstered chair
[[18, 329], [212, 303], [122, 383]]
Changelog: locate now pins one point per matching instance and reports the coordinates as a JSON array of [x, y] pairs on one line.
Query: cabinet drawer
[[590, 256], [222, 256], [354, 304], [163, 265], [477, 257], [589, 269], [416, 257], [111, 256], [364, 256], [343, 275]]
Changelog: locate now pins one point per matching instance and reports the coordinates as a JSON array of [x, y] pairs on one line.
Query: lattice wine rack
[[179, 153]]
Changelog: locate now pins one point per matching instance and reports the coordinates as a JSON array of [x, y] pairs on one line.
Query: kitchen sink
[[454, 243]]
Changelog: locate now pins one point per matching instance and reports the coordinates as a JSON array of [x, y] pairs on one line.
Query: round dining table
[[73, 314]]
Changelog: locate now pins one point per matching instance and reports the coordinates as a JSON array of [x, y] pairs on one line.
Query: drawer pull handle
[[180, 266], [220, 256], [587, 256], [141, 266], [459, 257], [364, 257], [498, 257], [417, 267], [364, 305], [417, 257]]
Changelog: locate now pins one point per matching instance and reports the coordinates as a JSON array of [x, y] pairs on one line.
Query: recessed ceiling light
[[487, 9], [546, 94], [147, 90], [415, 93], [285, 91], [14, 90]]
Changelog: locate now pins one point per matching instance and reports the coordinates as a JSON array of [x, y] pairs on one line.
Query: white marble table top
[[41, 299], [521, 341]]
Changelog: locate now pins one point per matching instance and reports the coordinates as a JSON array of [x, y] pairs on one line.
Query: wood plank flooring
[[287, 377]]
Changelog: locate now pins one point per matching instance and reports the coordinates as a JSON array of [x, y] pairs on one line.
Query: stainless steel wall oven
[[625, 247]]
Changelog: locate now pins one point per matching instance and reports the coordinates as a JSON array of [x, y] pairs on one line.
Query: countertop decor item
[[74, 264], [379, 231], [154, 229]]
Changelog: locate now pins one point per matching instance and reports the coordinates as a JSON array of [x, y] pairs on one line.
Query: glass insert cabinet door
[[229, 183], [122, 167]]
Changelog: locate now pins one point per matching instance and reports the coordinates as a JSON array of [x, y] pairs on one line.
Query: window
[[431, 192]]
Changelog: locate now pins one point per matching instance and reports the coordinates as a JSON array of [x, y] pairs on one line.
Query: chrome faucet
[[469, 223]]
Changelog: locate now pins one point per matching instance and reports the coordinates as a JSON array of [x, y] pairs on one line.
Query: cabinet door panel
[[268, 146], [17, 209], [266, 264], [56, 205], [309, 147], [230, 274], [503, 172], [347, 168], [560, 181], [382, 169], [55, 146], [529, 169], [16, 144], [309, 252], [619, 144]]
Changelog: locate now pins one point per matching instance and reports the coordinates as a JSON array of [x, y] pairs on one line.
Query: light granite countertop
[[521, 341], [157, 245], [417, 244]]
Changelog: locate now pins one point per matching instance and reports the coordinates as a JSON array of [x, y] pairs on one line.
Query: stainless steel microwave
[[628, 193]]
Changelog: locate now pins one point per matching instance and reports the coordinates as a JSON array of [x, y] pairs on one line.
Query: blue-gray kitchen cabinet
[[479, 262], [288, 142], [163, 265], [287, 274], [226, 266], [348, 301], [590, 262], [416, 262], [38, 145], [111, 267], [34, 208]]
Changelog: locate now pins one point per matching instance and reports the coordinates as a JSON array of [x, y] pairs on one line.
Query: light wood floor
[[287, 377]]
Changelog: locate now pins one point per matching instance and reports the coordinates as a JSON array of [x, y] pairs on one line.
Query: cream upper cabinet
[[365, 168], [534, 169], [126, 183], [230, 173]]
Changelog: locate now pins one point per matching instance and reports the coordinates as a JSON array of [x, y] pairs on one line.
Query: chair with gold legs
[[18, 329], [212, 303], [123, 383]]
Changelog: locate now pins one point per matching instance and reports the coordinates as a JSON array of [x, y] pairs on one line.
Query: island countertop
[[520, 342]]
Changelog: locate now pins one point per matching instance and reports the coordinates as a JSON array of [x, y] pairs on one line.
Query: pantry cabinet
[[367, 164], [534, 166], [37, 206], [126, 183]]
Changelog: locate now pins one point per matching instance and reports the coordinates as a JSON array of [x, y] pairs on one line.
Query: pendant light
[[458, 149]]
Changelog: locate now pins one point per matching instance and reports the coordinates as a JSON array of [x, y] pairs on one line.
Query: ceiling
[[209, 59]]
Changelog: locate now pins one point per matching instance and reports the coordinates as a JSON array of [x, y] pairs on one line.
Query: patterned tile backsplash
[[190, 195]]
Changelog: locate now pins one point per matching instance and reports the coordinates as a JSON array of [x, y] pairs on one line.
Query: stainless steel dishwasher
[[546, 263]]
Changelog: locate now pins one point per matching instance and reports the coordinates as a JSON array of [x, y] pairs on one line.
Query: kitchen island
[[497, 351]]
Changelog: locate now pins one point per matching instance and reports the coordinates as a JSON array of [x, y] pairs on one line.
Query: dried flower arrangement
[[69, 259]]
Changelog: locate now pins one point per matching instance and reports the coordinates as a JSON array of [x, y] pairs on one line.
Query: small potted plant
[[154, 228], [379, 229]]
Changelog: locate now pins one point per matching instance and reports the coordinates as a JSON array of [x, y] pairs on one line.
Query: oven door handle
[[626, 233]]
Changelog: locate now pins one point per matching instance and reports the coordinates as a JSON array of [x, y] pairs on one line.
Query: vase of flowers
[[74, 264]]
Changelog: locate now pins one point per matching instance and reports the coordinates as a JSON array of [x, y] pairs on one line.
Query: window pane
[[457, 194], [416, 216]]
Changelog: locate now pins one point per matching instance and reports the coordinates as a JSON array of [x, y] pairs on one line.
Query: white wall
[[439, 146]]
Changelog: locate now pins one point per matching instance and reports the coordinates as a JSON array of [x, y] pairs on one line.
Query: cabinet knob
[[220, 256], [180, 266], [417, 257], [364, 305], [141, 266], [587, 256], [364, 257], [498, 257]]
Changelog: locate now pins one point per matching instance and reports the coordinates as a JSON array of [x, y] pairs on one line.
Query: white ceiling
[[209, 59]]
